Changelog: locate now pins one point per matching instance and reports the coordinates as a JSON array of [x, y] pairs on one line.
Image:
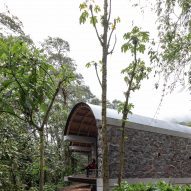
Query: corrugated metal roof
[[84, 117], [146, 121]]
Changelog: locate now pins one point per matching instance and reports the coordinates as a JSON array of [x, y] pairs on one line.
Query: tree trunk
[[41, 131], [124, 119], [105, 168], [41, 186], [122, 152]]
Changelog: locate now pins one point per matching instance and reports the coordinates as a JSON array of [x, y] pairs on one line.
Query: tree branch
[[113, 28], [50, 105], [97, 74], [111, 51], [32, 123], [14, 76], [94, 24], [134, 67], [109, 12], [13, 114], [46, 73]]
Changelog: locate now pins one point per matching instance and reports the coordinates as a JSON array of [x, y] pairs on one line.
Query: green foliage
[[90, 11], [11, 23], [17, 153], [84, 17], [28, 81], [86, 7], [135, 36], [136, 71], [97, 9], [161, 186], [50, 187], [89, 64], [121, 105], [172, 56], [24, 75], [141, 72]]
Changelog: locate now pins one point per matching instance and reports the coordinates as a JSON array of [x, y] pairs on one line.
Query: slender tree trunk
[[42, 139], [122, 152], [124, 119], [105, 168], [41, 186]]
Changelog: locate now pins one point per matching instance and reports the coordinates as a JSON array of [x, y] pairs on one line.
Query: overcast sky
[[60, 18]]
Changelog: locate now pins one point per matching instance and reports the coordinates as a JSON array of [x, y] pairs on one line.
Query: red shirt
[[92, 165]]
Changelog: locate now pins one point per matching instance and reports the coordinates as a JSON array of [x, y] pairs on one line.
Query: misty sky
[[60, 18]]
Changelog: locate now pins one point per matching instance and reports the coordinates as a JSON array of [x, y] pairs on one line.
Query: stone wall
[[99, 153], [150, 155]]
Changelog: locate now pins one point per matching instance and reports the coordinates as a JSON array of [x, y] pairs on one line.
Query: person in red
[[90, 166]]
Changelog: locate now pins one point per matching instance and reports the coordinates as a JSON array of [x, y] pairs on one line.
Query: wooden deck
[[82, 179], [78, 187]]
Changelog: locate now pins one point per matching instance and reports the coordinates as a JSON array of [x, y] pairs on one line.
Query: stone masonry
[[149, 155]]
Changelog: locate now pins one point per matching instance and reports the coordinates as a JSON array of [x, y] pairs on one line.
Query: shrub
[[160, 186]]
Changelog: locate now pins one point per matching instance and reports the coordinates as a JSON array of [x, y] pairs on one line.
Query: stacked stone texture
[[99, 153], [149, 155]]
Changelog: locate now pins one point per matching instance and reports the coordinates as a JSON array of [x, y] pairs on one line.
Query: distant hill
[[188, 123]]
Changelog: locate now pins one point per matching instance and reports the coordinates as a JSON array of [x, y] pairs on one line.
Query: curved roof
[[81, 121], [87, 116]]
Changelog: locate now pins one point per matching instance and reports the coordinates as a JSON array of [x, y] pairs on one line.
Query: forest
[[35, 83], [39, 85]]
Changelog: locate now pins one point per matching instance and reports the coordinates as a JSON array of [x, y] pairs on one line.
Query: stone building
[[154, 149]]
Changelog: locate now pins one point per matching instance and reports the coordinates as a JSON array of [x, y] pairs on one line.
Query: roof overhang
[[85, 118], [81, 128]]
